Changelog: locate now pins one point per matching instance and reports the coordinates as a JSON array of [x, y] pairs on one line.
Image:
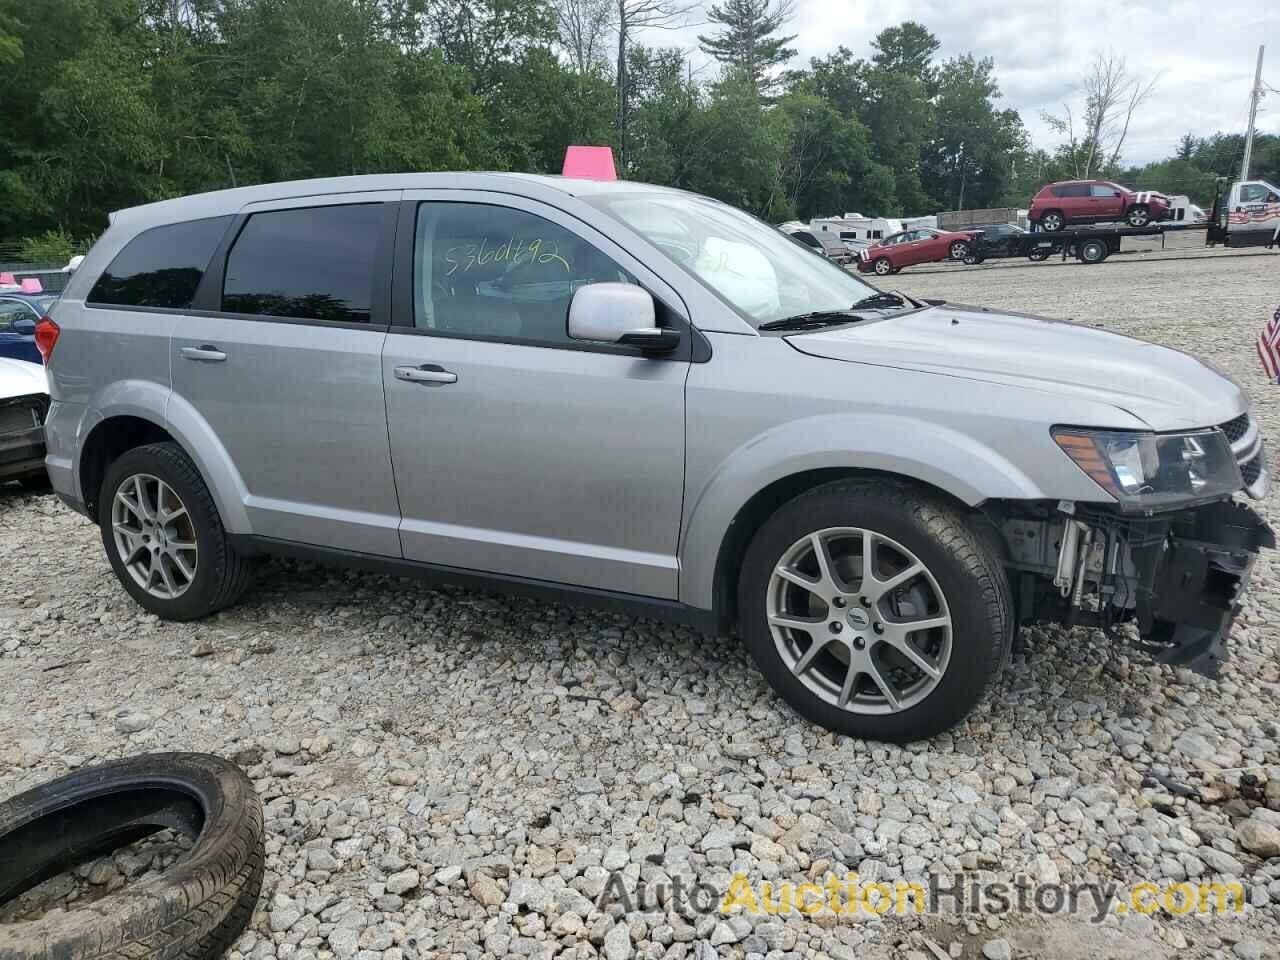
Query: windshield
[[759, 272]]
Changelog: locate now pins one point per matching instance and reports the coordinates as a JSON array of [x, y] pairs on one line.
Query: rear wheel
[[883, 267], [1052, 222], [1138, 215], [875, 610], [1093, 251], [163, 535]]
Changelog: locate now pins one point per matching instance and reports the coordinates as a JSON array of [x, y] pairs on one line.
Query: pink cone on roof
[[589, 163]]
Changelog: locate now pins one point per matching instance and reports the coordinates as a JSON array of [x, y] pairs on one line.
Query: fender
[[201, 443], [965, 468], [156, 402]]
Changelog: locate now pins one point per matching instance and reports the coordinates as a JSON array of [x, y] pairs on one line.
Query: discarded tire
[[193, 911]]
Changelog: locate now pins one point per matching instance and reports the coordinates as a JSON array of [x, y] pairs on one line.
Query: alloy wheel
[[959, 250], [1052, 223], [884, 267], [154, 536], [859, 620]]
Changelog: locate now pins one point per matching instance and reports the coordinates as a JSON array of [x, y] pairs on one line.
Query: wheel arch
[[755, 512], [119, 429], [105, 443], [753, 483]]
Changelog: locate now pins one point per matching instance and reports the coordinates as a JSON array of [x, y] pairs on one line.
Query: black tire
[[1093, 251], [962, 561], [973, 260], [1139, 215], [958, 250], [193, 911], [1052, 221], [883, 267], [221, 574], [1038, 256]]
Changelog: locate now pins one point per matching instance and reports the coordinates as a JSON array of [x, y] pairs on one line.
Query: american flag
[[1269, 347]]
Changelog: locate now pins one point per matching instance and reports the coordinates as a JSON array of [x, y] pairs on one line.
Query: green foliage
[[112, 103], [747, 40], [52, 246]]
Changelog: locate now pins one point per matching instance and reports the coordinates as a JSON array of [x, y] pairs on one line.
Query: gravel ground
[[455, 774]]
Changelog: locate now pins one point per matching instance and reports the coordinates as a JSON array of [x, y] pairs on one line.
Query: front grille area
[[1251, 471], [1237, 428], [1246, 446]]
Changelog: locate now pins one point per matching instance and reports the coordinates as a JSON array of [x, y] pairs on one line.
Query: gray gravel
[[454, 774]]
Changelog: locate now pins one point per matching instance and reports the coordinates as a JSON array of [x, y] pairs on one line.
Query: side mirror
[[620, 313], [25, 326]]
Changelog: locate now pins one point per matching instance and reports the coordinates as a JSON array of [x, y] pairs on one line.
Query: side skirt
[[667, 611]]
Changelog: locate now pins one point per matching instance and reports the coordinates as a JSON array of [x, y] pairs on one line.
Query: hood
[[19, 378], [1166, 389]]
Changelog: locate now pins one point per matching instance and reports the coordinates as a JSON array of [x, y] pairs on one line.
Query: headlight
[[1151, 471]]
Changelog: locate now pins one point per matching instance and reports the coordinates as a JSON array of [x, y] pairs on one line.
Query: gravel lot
[[453, 774]]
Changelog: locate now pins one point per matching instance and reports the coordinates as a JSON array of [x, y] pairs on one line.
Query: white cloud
[[1204, 53]]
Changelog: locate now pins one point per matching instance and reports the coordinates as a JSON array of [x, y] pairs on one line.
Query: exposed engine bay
[[1178, 576]]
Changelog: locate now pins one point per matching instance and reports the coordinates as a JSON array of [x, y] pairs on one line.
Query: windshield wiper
[[881, 299], [805, 321]]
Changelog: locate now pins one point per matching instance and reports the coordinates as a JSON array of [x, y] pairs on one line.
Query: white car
[[24, 401]]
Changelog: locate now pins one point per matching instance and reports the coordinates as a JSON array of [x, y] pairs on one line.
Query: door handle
[[426, 373], [203, 354]]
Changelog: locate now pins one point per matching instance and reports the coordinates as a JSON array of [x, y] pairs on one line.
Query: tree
[[967, 161], [632, 16], [747, 41], [907, 49], [1096, 133], [584, 25]]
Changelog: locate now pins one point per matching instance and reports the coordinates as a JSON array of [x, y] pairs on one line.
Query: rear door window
[[160, 267], [307, 263]]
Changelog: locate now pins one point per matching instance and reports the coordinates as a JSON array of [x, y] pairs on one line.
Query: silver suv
[[640, 398]]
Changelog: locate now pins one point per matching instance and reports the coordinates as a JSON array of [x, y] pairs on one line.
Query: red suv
[[1095, 201], [914, 246]]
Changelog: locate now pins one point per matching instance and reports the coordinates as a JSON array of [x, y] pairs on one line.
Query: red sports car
[[914, 246], [1095, 201]]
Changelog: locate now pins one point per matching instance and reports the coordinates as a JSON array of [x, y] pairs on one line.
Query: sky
[[1204, 53]]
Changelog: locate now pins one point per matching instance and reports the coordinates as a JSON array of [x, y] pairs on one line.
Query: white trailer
[[855, 232]]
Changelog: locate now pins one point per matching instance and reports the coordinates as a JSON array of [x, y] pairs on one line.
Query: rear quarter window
[[160, 267]]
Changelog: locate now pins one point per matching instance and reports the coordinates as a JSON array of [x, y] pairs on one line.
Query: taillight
[[46, 338]]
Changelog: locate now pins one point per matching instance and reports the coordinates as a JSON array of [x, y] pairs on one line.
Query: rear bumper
[[21, 455], [22, 448]]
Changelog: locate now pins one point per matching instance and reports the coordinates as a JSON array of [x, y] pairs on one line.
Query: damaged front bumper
[[1180, 577], [1191, 585]]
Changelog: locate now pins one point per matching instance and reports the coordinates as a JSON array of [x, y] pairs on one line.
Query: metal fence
[[51, 275]]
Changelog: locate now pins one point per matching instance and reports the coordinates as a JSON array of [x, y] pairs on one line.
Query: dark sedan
[[19, 314]]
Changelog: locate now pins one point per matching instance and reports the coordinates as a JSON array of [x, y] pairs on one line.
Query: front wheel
[[1138, 215], [1038, 256], [164, 537], [883, 267], [973, 260], [1052, 222], [875, 610], [959, 250]]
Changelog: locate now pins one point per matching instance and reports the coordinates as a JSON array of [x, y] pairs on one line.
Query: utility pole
[[1254, 97]]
